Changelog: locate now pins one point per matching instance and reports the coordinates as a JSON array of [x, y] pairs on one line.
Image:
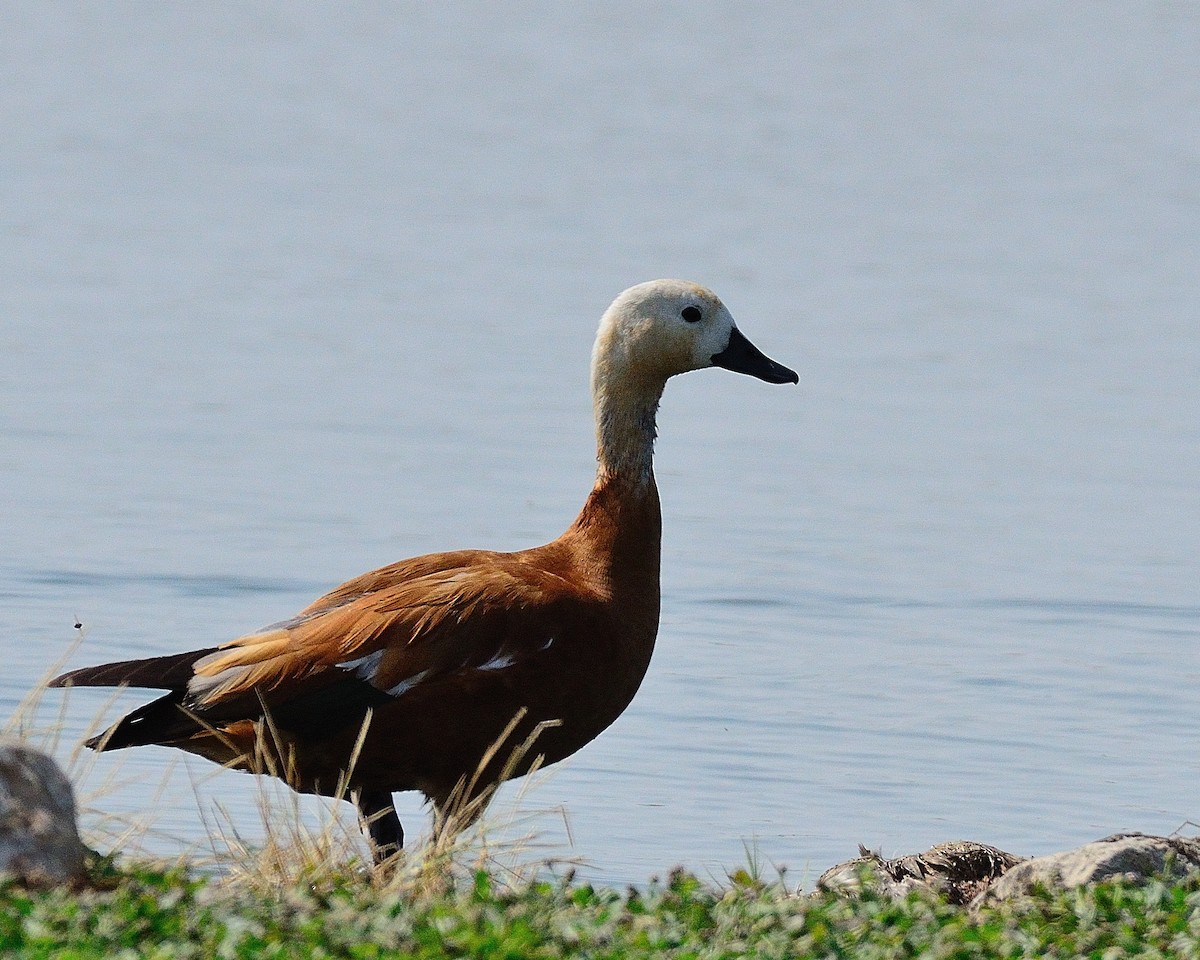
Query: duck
[[451, 672]]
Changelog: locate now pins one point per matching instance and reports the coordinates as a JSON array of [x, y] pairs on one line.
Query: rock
[[959, 870], [967, 872], [1132, 856], [39, 841]]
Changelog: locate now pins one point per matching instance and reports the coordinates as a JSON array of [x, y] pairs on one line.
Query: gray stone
[[967, 872], [1131, 856], [39, 841]]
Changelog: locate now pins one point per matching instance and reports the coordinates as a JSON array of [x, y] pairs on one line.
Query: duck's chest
[[594, 673]]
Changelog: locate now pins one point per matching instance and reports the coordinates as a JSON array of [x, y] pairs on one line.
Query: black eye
[[691, 314]]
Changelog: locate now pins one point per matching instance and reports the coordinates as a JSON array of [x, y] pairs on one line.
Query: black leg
[[380, 823]]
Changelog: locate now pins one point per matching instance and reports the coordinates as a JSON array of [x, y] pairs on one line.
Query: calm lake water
[[290, 291]]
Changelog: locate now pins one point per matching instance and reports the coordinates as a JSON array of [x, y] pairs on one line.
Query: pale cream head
[[658, 329], [650, 333]]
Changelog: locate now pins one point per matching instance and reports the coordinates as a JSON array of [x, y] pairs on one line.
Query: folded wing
[[367, 643]]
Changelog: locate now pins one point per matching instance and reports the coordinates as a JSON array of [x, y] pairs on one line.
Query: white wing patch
[[498, 662], [364, 667], [407, 684], [503, 659], [199, 688]]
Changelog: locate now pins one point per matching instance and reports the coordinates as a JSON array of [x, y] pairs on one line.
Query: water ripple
[[185, 585]]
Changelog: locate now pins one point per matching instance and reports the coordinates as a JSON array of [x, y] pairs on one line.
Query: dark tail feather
[[171, 672], [159, 721]]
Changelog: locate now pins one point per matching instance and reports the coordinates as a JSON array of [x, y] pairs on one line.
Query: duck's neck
[[621, 522], [618, 538], [625, 410]]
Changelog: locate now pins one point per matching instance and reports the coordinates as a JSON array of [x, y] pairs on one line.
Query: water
[[290, 291]]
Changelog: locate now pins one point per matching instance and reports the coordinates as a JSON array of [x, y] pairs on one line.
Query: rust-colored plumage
[[414, 671]]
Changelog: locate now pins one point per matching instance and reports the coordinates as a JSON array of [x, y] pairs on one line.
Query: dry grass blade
[[93, 783], [293, 850], [462, 841]]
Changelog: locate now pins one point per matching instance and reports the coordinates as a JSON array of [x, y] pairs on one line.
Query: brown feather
[[430, 625]]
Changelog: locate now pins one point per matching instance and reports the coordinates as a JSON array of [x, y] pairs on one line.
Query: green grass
[[146, 913], [307, 892]]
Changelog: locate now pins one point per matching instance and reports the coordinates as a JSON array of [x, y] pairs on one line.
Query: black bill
[[741, 356]]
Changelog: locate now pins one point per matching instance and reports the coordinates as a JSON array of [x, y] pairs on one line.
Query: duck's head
[[663, 327]]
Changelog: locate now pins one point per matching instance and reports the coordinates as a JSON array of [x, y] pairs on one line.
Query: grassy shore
[[149, 913], [305, 892]]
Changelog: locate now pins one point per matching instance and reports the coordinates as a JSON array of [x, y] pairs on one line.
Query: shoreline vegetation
[[306, 892], [138, 910], [317, 894]]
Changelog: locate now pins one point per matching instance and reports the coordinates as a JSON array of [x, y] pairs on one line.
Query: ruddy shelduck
[[449, 672]]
